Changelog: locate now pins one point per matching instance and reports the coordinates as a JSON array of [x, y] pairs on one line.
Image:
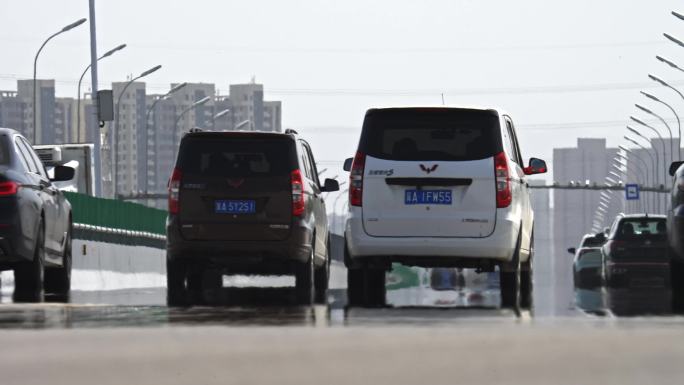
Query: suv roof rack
[[291, 131], [196, 129]]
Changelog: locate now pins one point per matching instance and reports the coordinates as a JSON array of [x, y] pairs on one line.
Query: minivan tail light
[[8, 188], [297, 193], [356, 180], [503, 181], [174, 191]]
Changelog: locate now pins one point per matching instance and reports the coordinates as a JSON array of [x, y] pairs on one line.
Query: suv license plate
[[427, 197], [235, 207]]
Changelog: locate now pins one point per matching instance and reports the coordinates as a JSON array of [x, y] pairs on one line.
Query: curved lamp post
[[78, 103], [185, 111], [241, 124], [147, 125], [666, 84], [212, 120], [35, 69], [679, 123], [669, 130], [640, 159], [662, 142], [653, 164], [114, 137]]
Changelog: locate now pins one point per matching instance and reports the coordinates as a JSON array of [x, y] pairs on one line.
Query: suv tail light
[[174, 189], [297, 193], [613, 246], [503, 181], [356, 179], [8, 188]]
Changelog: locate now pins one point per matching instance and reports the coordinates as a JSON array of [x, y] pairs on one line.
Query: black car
[[35, 221], [636, 254], [246, 203], [675, 215]]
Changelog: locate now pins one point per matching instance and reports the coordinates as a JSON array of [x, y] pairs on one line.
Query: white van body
[[440, 212]]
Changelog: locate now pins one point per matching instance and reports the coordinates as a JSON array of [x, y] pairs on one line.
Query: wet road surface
[[438, 327]]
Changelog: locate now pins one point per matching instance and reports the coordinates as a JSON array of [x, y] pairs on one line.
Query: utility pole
[[93, 74]]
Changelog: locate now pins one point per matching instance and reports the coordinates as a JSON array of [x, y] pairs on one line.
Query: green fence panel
[[116, 214]]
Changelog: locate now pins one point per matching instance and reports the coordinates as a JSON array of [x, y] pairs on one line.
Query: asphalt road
[[252, 332]]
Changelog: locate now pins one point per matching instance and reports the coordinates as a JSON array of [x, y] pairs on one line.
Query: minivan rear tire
[[176, 293], [366, 287], [322, 277], [304, 280], [509, 279]]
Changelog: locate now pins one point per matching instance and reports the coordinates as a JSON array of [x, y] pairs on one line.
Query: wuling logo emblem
[[235, 183], [428, 170]]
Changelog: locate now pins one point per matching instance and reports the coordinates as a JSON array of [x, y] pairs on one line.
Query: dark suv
[[246, 203]]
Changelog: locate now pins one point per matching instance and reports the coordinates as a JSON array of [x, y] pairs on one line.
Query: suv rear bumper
[[498, 247], [253, 257]]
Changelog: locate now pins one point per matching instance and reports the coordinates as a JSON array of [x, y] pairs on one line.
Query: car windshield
[[430, 134]]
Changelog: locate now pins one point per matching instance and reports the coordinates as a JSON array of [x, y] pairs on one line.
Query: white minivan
[[439, 187]]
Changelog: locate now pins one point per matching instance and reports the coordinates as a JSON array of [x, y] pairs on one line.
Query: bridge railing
[[116, 221]]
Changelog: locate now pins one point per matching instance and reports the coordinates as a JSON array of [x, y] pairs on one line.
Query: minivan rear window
[[236, 157], [431, 134]]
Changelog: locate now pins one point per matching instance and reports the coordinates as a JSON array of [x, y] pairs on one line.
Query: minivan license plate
[[427, 197], [235, 207]]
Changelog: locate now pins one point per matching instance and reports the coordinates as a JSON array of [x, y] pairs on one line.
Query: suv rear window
[[431, 134], [236, 157], [635, 228]]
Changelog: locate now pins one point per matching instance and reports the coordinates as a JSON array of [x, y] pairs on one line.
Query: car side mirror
[[674, 167], [63, 173], [347, 164], [330, 185], [572, 250], [536, 166]]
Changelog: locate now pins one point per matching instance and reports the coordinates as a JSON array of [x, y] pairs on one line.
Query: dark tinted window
[[593, 242], [431, 134], [236, 157], [4, 150], [635, 228]]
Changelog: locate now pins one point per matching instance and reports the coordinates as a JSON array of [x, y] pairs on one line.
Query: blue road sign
[[632, 192]]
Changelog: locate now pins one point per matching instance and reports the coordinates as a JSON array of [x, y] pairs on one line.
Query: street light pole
[[640, 159], [35, 70], [147, 126], [212, 120], [188, 109], [679, 123], [653, 164], [114, 138], [669, 130], [78, 103], [637, 170], [662, 142]]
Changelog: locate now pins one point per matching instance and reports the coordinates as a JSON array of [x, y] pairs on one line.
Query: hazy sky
[[550, 64]]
